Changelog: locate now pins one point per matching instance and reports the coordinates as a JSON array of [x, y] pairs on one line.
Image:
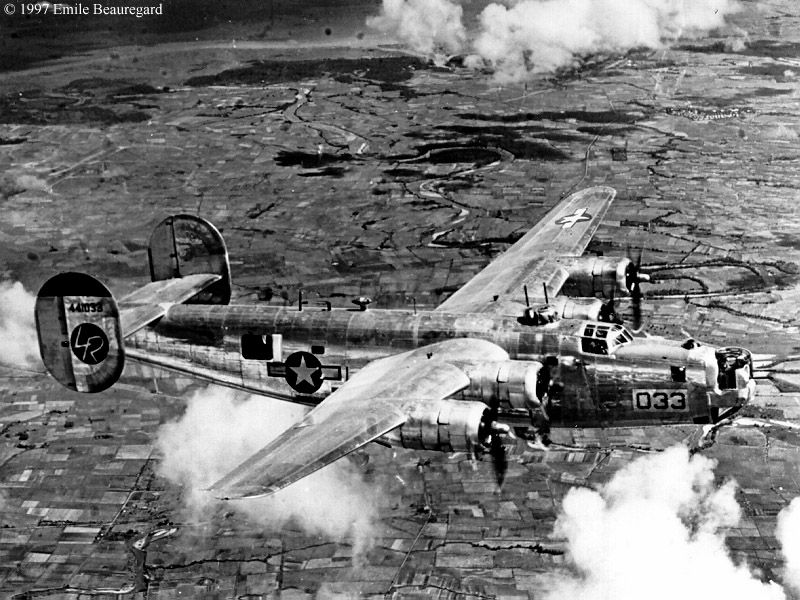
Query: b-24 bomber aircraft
[[439, 379]]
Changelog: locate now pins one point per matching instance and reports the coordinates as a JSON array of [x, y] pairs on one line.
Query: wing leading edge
[[379, 398], [565, 231]]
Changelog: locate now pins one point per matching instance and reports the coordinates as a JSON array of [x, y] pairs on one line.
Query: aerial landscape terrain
[[344, 156]]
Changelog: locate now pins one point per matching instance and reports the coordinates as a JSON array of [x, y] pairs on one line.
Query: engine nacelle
[[446, 426], [593, 275], [579, 308], [512, 383]]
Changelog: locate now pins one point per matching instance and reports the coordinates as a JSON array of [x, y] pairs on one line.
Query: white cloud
[[788, 534], [18, 327], [533, 36], [654, 532], [221, 428], [429, 26]]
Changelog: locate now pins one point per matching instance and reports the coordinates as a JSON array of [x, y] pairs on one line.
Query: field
[[344, 165]]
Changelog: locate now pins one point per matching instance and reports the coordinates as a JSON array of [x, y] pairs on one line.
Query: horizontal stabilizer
[[150, 302], [80, 337], [80, 326]]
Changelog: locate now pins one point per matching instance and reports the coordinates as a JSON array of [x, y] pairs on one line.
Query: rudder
[[80, 338], [183, 245]]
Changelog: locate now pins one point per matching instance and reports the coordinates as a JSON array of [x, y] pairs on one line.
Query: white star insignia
[[304, 372], [568, 221]]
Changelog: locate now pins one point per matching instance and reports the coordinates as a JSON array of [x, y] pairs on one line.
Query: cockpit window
[[592, 346], [599, 338]]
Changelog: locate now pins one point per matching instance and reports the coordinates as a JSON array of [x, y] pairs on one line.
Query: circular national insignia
[[89, 343], [303, 372], [569, 221]]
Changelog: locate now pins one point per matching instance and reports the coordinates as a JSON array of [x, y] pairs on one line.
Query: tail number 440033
[[660, 400]]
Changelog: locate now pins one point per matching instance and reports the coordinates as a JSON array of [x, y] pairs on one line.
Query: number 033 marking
[[660, 400]]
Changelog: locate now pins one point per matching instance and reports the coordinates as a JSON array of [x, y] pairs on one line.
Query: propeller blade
[[636, 301], [497, 450], [608, 312], [636, 278], [638, 261]]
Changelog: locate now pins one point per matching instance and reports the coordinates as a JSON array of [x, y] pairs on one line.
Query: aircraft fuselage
[[592, 373]]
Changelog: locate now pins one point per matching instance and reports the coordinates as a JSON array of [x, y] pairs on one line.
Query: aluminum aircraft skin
[[504, 345]]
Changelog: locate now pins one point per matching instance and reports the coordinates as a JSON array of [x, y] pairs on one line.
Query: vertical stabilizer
[[184, 245], [80, 338]]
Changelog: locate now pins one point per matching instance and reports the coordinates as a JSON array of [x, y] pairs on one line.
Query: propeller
[[634, 278], [636, 302], [608, 312], [497, 450]]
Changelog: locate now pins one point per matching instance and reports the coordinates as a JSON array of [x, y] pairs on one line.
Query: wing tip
[[238, 491], [234, 494], [596, 189]]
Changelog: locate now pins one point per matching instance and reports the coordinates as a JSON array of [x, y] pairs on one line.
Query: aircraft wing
[[377, 399], [149, 302], [564, 231]]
